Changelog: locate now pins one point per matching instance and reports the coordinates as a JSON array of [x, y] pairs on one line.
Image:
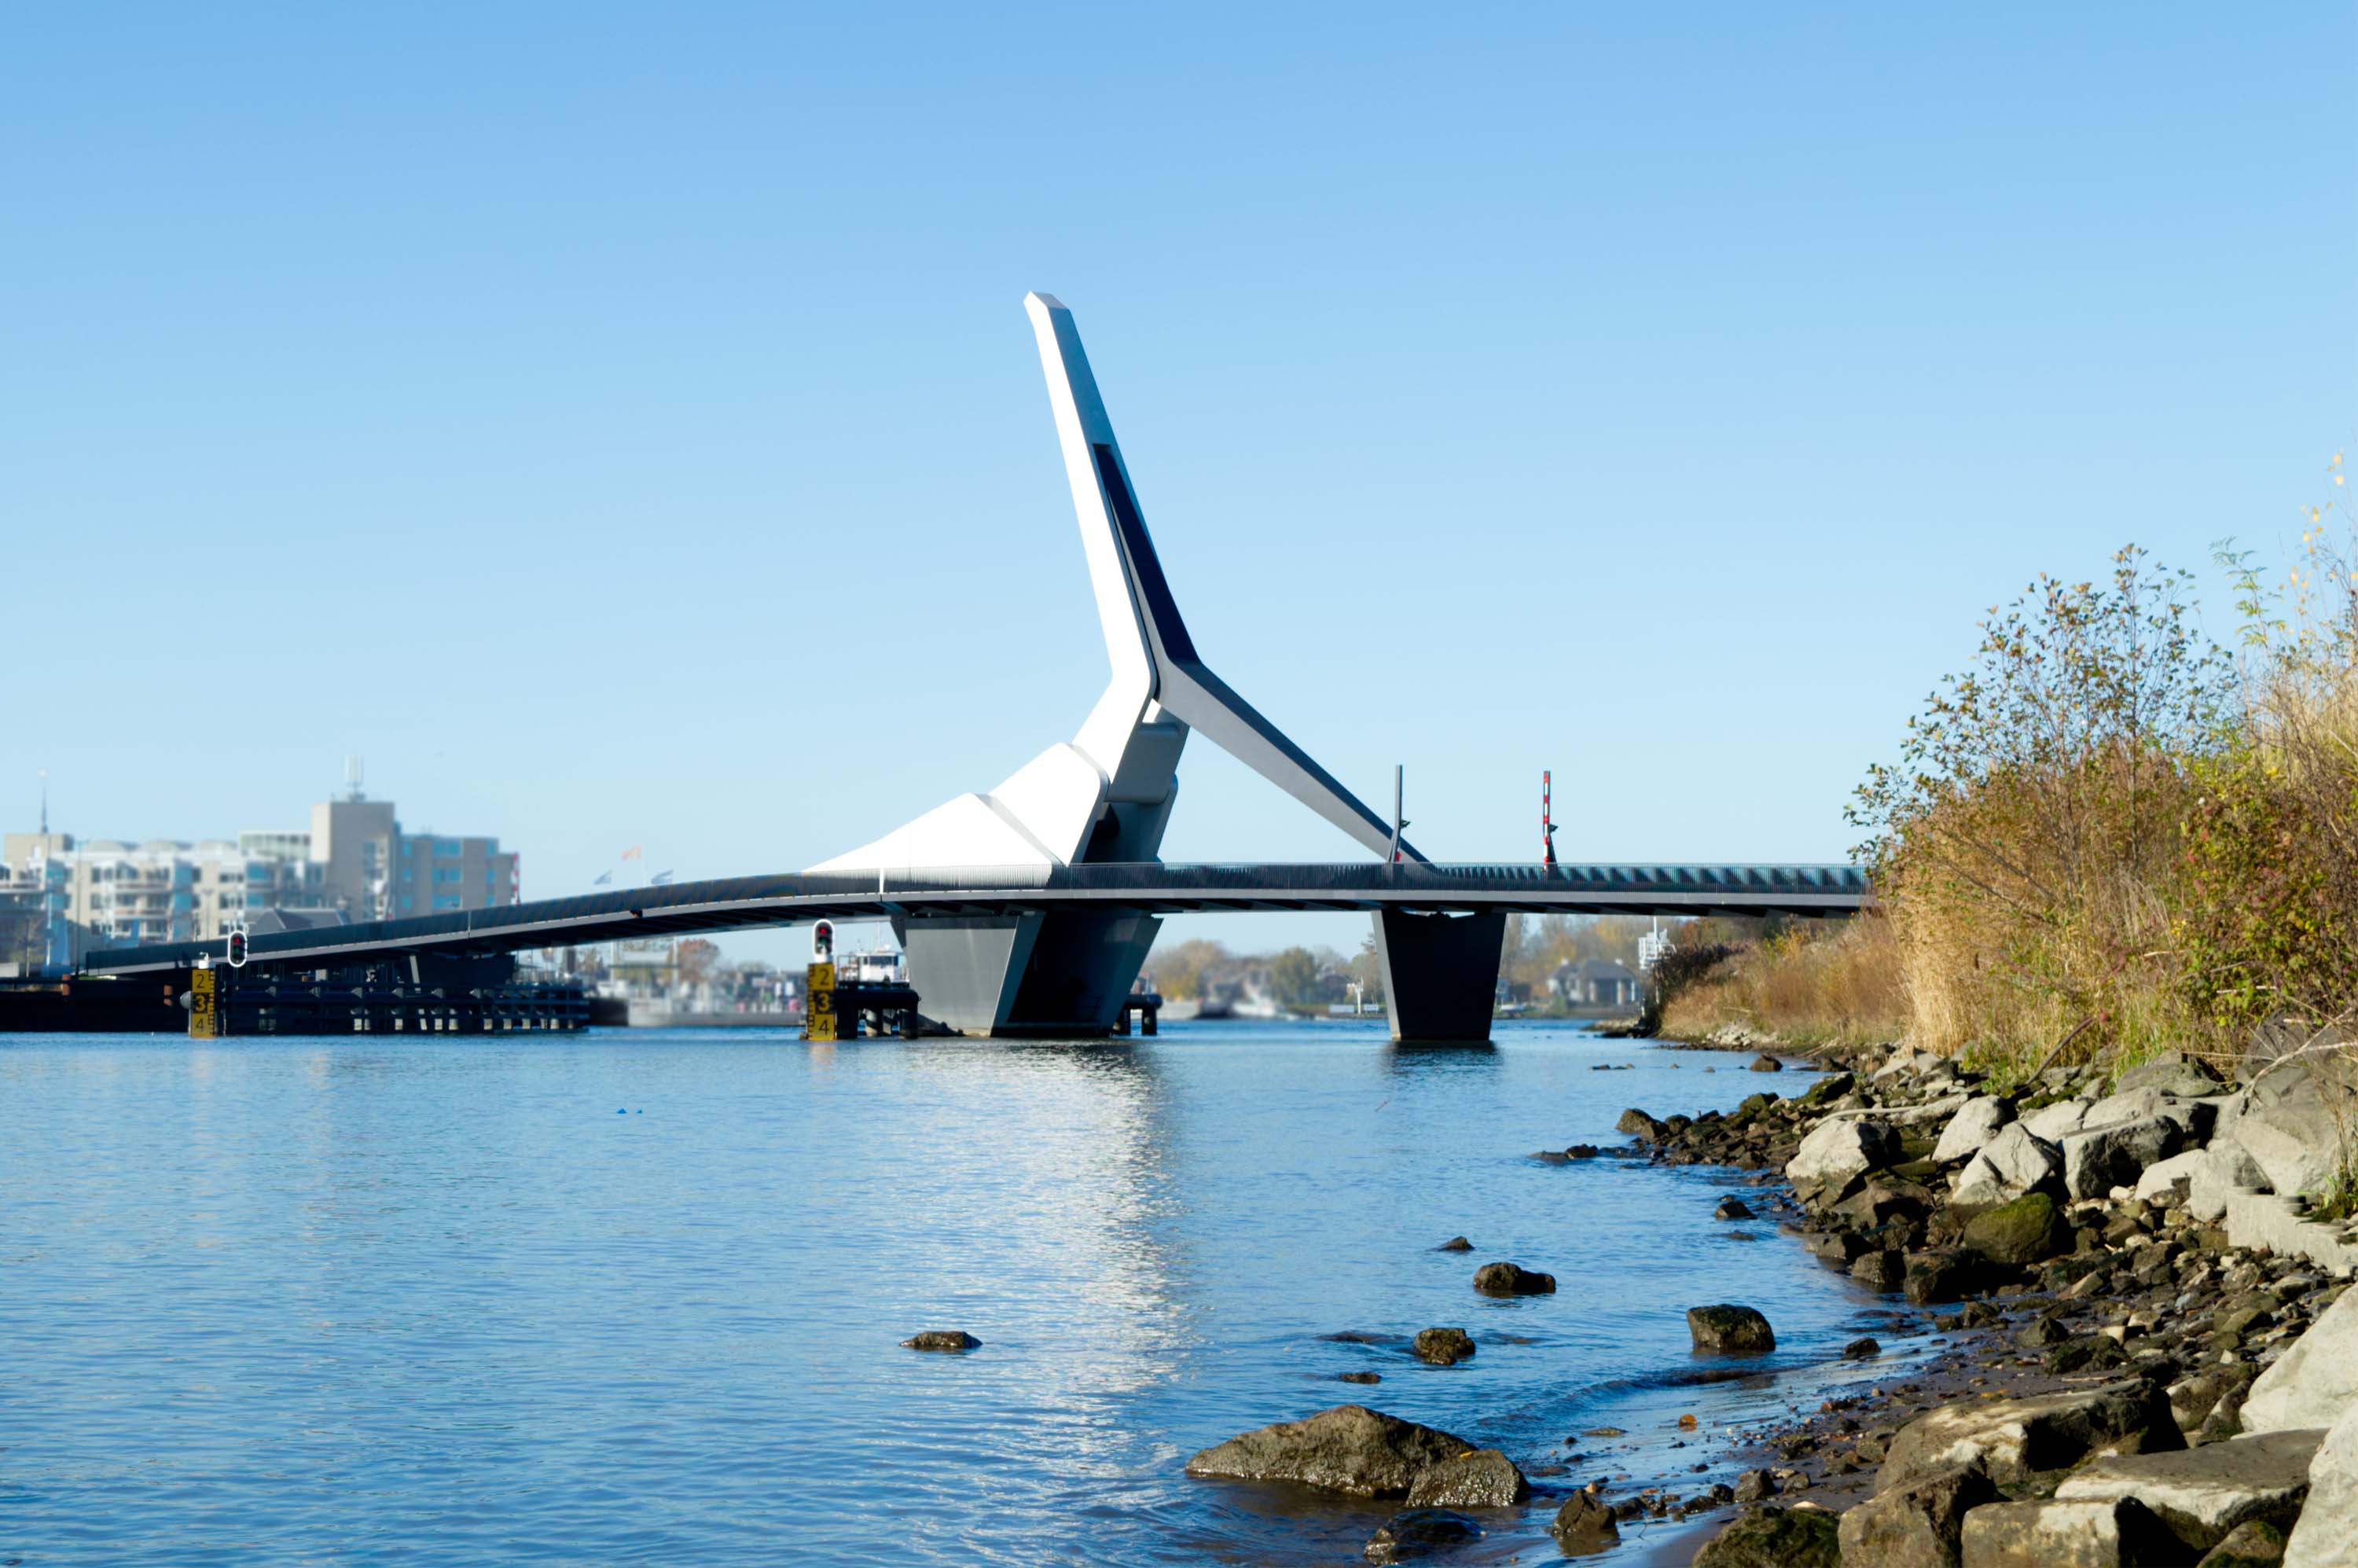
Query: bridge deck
[[745, 903]]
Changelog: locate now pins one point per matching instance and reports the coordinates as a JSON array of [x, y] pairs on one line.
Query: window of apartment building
[[408, 904], [445, 873], [447, 901], [445, 846]]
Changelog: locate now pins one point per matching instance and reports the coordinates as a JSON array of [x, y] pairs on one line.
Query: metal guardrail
[[789, 898]]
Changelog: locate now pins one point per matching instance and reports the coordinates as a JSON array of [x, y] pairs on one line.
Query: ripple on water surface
[[328, 1300]]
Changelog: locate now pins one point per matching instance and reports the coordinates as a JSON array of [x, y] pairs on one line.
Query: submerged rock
[[1732, 1208], [1443, 1346], [1420, 1533], [1772, 1537], [1730, 1330], [1456, 1244], [1485, 1478], [1585, 1525], [941, 1339], [1349, 1448], [1512, 1280]]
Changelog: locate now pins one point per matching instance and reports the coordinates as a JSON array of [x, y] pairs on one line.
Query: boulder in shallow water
[[1420, 1533], [1918, 1525], [1732, 1208], [1456, 1244], [1349, 1448], [1585, 1525], [1862, 1350], [1772, 1537], [1512, 1280], [1360, 1377], [1730, 1330], [1637, 1124], [941, 1339], [1765, 1063], [1485, 1478], [1443, 1346]]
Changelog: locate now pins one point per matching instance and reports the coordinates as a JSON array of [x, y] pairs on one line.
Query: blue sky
[[620, 426]]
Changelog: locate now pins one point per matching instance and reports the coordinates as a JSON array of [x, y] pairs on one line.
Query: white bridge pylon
[[1106, 794]]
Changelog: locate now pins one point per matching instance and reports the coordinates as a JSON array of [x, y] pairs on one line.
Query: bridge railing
[[1361, 877]]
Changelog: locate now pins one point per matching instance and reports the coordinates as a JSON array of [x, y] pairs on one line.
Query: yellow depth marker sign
[[818, 1002], [204, 1016]]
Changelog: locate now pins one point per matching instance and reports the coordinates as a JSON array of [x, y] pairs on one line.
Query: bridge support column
[[1066, 974], [1441, 973]]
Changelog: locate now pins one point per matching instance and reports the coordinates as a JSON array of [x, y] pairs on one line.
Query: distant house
[[1594, 982]]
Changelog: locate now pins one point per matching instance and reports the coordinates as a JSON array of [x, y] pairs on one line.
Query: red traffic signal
[[237, 949], [823, 941]]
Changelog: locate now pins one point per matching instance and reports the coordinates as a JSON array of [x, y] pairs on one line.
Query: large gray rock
[[2315, 1383], [2099, 1159], [2327, 1535], [1772, 1537], [1485, 1478], [2119, 1534], [2285, 1121], [2052, 1122], [2014, 1163], [2224, 1170], [1837, 1149], [2171, 1072], [2194, 1118], [2173, 1176], [2011, 1438], [1349, 1448], [2202, 1493], [1975, 1123], [1920, 1525]]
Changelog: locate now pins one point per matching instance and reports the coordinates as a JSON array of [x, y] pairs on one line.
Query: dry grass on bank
[[1809, 985]]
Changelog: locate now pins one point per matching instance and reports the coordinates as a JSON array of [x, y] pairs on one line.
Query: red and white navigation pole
[[1547, 819]]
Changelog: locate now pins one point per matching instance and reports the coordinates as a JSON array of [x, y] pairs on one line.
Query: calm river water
[[635, 1297]]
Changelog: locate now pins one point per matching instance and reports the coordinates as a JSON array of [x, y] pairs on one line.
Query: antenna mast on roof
[[45, 802], [353, 778]]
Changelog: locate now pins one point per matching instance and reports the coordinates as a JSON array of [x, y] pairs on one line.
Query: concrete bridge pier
[[1441, 973], [1066, 974]]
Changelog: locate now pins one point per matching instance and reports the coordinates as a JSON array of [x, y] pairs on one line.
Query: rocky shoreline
[[2142, 1350]]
